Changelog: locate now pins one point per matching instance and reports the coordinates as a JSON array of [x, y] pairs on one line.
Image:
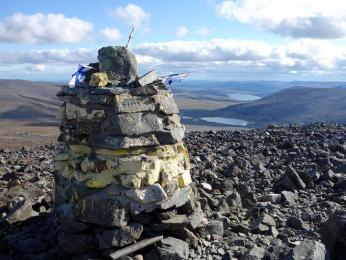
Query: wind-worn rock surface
[[273, 193]]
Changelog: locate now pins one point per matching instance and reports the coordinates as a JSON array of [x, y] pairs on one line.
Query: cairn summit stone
[[119, 63]]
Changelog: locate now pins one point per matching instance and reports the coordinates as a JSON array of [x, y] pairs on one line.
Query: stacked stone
[[123, 158]]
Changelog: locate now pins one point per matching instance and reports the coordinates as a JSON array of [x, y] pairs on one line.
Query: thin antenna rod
[[130, 37]]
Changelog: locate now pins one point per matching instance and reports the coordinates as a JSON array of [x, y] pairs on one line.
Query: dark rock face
[[103, 212], [171, 248], [309, 250], [76, 243], [119, 63], [333, 234], [20, 212], [119, 237], [235, 177]]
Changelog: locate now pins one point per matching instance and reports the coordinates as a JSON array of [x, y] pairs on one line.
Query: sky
[[211, 39]]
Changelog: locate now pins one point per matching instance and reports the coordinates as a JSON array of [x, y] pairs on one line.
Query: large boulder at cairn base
[[333, 234]]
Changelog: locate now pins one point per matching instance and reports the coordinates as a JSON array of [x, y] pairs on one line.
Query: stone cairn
[[123, 175]]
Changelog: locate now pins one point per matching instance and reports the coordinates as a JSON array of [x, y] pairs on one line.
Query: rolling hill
[[31, 102], [291, 106]]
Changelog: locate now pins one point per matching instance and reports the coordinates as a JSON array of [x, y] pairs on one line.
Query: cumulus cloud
[[132, 15], [51, 56], [205, 51], [111, 34], [37, 68], [213, 56], [221, 54], [43, 28], [296, 18]]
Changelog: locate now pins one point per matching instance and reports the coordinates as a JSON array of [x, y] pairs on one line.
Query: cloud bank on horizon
[[319, 19], [243, 39]]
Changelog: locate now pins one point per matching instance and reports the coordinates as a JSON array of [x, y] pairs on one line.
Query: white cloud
[[205, 51], [215, 56], [44, 28], [132, 15], [111, 34], [51, 56], [37, 68], [296, 18], [222, 54], [148, 60], [182, 31]]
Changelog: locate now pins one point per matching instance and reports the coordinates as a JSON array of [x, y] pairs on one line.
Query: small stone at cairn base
[[124, 172]]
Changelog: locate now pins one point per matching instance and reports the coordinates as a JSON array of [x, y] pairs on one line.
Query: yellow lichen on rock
[[61, 157], [125, 151], [184, 179], [74, 112], [147, 165], [99, 79], [100, 180], [130, 181], [80, 148]]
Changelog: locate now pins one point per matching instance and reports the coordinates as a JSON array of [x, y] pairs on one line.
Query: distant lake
[[243, 97], [225, 120]]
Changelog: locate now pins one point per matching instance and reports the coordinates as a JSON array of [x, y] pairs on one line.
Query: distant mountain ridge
[[36, 103], [297, 105]]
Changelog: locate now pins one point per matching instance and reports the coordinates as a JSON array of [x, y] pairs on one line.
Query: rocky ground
[[274, 193]]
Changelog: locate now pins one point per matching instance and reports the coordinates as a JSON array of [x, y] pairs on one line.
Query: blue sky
[[212, 39]]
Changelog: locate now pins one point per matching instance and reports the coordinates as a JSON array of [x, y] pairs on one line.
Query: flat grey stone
[[172, 248], [83, 127], [149, 194], [147, 90], [263, 223], [21, 212], [117, 142], [294, 176], [101, 211], [127, 103], [289, 197], [172, 136], [132, 104], [177, 199], [296, 223], [272, 198], [166, 104], [119, 237], [147, 78], [136, 124], [254, 253], [86, 99], [214, 227], [309, 250], [196, 218]]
